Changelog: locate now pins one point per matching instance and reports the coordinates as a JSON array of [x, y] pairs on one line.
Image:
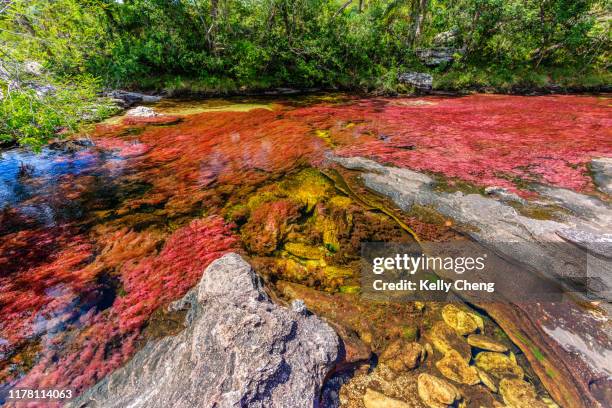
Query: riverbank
[[452, 82]]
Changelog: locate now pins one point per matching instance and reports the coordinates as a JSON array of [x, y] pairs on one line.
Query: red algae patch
[[95, 242], [97, 338], [484, 139]]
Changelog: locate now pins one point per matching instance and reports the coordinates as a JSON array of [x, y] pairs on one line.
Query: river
[[98, 235]]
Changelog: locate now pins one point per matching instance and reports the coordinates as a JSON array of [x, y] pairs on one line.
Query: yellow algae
[[307, 187], [304, 251], [171, 107]]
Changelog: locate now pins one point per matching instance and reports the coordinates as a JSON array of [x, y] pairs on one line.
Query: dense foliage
[[226, 45]]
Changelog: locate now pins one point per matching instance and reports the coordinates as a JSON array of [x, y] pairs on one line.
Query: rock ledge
[[238, 350]]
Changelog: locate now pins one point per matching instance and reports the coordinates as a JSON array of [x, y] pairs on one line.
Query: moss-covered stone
[[454, 367], [402, 355], [461, 321], [444, 339], [486, 343], [519, 394], [499, 365], [436, 392]]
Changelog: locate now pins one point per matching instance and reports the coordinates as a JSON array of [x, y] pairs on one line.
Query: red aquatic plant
[[98, 341]]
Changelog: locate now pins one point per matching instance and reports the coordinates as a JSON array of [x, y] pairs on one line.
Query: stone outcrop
[[540, 243], [238, 350], [433, 57], [601, 168], [419, 80], [126, 99]]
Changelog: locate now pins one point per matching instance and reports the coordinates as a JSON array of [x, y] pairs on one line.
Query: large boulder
[[419, 80], [238, 350]]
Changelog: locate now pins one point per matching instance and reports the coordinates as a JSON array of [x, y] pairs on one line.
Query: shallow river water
[[98, 235]]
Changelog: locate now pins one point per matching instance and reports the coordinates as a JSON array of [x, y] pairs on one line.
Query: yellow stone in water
[[486, 380], [445, 339], [402, 355], [486, 343], [498, 365], [454, 367], [519, 394], [375, 399], [462, 322], [436, 392]]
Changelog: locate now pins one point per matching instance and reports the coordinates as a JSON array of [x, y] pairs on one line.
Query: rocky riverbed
[[101, 240]]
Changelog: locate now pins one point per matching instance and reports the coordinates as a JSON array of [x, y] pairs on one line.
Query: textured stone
[[498, 365], [417, 79], [454, 367], [437, 56], [446, 339], [461, 321], [436, 392], [238, 350], [375, 399], [601, 168], [486, 343], [519, 394], [486, 380], [127, 99], [401, 355], [142, 112]]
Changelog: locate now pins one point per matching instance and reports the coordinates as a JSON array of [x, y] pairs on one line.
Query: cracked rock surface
[[238, 350]]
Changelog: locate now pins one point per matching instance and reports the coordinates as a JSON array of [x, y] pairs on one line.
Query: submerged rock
[[499, 365], [462, 322], [446, 339], [238, 349], [519, 394], [486, 343], [401, 355], [436, 392], [454, 367], [375, 399]]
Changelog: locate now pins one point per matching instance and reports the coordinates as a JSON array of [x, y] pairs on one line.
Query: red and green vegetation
[[209, 46]]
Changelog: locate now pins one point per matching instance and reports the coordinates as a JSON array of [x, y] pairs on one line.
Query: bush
[[32, 118]]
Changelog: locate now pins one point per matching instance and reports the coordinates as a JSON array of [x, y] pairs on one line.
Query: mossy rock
[[375, 399], [486, 380], [454, 367], [461, 321], [445, 339], [519, 394], [436, 392], [498, 365], [486, 343], [349, 289], [410, 333], [402, 355], [308, 187]]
